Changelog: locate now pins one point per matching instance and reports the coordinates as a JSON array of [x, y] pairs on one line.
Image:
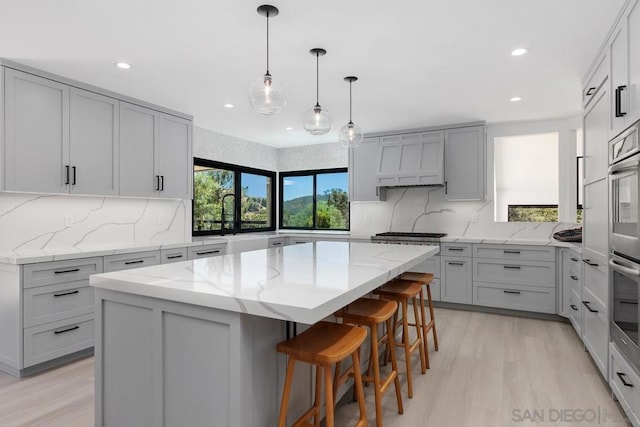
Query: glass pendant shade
[[317, 121], [267, 96], [350, 135]]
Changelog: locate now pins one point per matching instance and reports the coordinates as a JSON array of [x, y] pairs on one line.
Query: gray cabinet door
[[36, 133], [596, 137], [456, 282], [411, 159], [464, 163], [619, 78], [138, 128], [93, 151], [362, 171], [633, 28], [173, 154]]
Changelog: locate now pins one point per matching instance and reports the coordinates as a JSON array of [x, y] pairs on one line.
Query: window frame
[[314, 173], [238, 170]]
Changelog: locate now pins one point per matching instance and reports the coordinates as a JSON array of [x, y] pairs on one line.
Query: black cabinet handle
[[509, 251], [276, 243], [590, 91], [574, 277], [157, 182], [139, 261], [573, 307], [74, 176], [619, 112], [161, 182], [455, 263], [173, 256], [446, 187], [512, 267], [66, 182], [73, 270], [455, 249], [586, 304], [573, 259], [217, 251], [73, 328], [588, 262], [621, 375], [629, 302], [64, 294], [511, 292]]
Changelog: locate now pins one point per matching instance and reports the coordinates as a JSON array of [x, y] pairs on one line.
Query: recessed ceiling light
[[288, 128], [123, 65], [519, 51], [228, 105], [515, 99]]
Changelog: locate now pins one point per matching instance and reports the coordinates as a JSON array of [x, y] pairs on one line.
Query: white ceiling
[[420, 62]]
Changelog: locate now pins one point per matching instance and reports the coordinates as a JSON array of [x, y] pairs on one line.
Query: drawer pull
[[455, 249], [64, 294], [512, 267], [573, 259], [276, 243], [628, 302], [73, 270], [217, 251], [173, 256], [588, 262], [586, 304], [621, 375], [573, 307], [297, 243], [574, 277], [455, 263], [590, 91], [139, 261], [511, 292], [73, 328], [508, 251]]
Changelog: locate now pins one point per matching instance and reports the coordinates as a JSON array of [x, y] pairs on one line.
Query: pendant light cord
[[317, 79], [350, 107], [267, 42]]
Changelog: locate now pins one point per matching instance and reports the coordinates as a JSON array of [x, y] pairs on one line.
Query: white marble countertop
[[302, 283]]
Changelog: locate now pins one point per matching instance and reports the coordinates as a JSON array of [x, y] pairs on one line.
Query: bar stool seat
[[372, 312], [425, 279], [322, 345], [402, 291]]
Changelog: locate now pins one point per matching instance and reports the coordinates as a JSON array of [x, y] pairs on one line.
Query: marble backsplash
[[33, 222], [424, 209]]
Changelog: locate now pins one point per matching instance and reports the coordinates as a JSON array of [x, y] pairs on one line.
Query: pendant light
[[317, 120], [267, 95], [350, 135]]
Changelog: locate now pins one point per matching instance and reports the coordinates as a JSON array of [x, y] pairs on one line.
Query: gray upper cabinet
[[618, 79], [595, 124], [633, 38], [94, 142], [363, 166], [411, 159], [36, 117], [138, 128], [464, 166], [173, 156]]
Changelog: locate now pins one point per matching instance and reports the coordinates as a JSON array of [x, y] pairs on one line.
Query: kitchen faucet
[[223, 216]]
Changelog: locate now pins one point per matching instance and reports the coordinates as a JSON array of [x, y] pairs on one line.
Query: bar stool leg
[[376, 374], [317, 403], [328, 385], [419, 331], [362, 421], [394, 365], [433, 318], [282, 419], [425, 342], [405, 343]]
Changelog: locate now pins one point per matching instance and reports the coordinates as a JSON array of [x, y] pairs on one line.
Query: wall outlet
[[161, 219], [68, 220], [474, 217]]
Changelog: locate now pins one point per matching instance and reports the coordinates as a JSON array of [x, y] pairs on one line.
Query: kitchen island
[[193, 343]]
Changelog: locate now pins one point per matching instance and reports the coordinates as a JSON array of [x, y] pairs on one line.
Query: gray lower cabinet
[[293, 240], [571, 280], [432, 265], [206, 251], [625, 384], [275, 242], [131, 260], [595, 311], [173, 255], [456, 279]]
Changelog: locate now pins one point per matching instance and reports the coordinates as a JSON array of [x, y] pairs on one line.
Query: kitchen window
[[248, 195], [315, 200]]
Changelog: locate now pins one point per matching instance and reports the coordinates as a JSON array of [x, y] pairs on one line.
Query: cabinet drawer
[[575, 281], [625, 384], [206, 251], [173, 255], [456, 249], [432, 265], [595, 278], [515, 297], [517, 272], [298, 240], [277, 241], [515, 252], [56, 302], [129, 261], [595, 330], [575, 311], [51, 273], [46, 342], [575, 262]]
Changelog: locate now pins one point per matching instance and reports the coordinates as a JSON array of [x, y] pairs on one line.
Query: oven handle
[[622, 269], [624, 166]]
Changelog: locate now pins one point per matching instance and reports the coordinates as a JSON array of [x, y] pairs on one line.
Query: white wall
[[319, 156]]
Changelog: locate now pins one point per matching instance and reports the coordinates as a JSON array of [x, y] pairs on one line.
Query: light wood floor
[[488, 366]]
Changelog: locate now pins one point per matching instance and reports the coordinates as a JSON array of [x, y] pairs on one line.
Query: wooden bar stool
[[401, 291], [425, 279], [371, 313], [322, 345]]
